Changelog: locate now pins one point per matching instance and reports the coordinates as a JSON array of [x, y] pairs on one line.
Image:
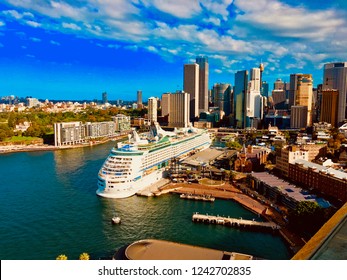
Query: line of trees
[[41, 123]]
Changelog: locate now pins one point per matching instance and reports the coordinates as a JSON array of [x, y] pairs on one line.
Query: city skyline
[[61, 49]]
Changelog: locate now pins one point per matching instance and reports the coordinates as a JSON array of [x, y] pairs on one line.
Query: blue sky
[[78, 49]]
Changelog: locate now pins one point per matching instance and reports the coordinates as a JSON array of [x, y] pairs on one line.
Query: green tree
[[84, 256], [11, 120], [5, 132], [62, 257], [234, 145], [307, 218]]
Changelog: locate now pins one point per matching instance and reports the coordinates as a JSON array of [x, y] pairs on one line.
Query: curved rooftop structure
[[153, 249]]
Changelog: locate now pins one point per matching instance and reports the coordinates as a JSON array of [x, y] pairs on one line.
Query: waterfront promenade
[[226, 191], [5, 149]]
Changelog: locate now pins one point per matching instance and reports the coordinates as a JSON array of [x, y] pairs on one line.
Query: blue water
[[48, 207]]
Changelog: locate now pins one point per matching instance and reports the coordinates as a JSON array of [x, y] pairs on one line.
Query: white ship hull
[[132, 188], [133, 167]]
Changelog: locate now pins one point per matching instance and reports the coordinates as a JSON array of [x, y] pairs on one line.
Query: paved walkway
[[225, 192]]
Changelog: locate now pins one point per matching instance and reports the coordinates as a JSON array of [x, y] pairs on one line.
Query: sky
[[78, 49]]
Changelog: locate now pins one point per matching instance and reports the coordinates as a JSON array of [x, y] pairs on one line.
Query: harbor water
[[49, 207]]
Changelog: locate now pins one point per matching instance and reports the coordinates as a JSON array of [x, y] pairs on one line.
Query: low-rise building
[[287, 155], [72, 133], [327, 181], [122, 123], [282, 192], [251, 159]]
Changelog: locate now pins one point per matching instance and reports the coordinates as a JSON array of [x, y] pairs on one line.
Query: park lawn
[[21, 139]]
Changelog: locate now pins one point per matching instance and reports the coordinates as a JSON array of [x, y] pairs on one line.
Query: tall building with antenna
[[261, 67]]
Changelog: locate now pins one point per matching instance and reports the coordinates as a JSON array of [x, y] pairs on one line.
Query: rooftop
[[320, 168], [153, 249], [204, 156], [288, 189]]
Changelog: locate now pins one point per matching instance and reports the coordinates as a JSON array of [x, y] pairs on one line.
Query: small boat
[[116, 220]]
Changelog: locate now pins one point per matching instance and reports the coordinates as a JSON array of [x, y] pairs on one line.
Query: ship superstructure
[[141, 161]]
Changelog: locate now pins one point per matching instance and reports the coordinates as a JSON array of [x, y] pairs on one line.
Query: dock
[[232, 222], [154, 189], [197, 197]]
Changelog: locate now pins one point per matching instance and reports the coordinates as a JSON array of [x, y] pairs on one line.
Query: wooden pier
[[232, 222], [197, 197]]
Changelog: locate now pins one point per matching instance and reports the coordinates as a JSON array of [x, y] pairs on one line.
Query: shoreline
[[8, 149]]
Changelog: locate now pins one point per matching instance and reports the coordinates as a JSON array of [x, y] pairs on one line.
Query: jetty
[[197, 197], [232, 222]]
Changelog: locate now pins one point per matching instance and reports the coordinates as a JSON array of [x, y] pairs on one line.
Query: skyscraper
[[152, 110], [261, 68], [292, 89], [179, 109], [139, 99], [191, 86], [279, 84], [301, 93], [298, 117], [104, 98], [304, 93], [335, 77], [203, 83], [253, 98], [329, 106], [265, 89], [222, 94], [165, 104], [240, 89]]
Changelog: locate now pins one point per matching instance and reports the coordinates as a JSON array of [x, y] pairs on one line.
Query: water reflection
[[169, 218], [74, 166]]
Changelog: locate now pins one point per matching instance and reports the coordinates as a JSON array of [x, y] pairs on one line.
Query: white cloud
[[72, 26], [119, 9], [213, 20], [113, 46], [177, 8], [218, 71], [54, 43], [34, 39], [132, 48], [218, 7], [297, 65], [13, 14], [2, 23], [287, 21], [152, 49], [267, 29], [66, 10], [33, 23], [16, 15], [171, 51]]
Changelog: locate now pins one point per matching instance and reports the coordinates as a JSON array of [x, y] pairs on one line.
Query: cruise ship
[[141, 161]]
